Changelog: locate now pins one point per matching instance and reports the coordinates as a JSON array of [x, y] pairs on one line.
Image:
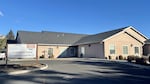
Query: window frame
[[126, 48], [50, 51], [112, 49], [137, 50]]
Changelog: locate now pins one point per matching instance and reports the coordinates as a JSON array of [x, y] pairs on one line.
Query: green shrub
[[125, 58], [120, 57], [138, 60], [141, 60], [42, 56], [116, 57], [109, 57], [131, 58]]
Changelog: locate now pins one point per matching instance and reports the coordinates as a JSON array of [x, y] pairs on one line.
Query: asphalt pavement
[[80, 71]]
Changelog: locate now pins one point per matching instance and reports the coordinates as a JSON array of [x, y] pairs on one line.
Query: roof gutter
[[85, 43]]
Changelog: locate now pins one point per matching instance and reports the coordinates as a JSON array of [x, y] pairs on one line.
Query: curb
[[44, 59], [135, 65], [23, 71], [55, 59]]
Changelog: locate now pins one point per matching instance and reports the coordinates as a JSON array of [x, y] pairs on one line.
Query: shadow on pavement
[[132, 75]]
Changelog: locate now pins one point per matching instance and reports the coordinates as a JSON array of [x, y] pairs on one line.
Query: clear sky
[[75, 16]]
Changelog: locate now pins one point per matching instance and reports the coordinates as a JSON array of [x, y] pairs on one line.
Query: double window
[[112, 49]]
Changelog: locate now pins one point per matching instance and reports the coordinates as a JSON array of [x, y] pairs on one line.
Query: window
[[72, 51], [112, 49], [50, 51], [125, 50], [136, 50], [83, 50]]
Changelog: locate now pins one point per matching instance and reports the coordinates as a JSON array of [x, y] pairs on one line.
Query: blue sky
[[75, 16]]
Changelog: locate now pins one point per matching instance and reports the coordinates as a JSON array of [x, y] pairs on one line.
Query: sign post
[[6, 58], [37, 61]]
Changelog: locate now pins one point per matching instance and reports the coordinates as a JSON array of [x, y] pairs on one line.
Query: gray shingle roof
[[99, 37], [46, 37]]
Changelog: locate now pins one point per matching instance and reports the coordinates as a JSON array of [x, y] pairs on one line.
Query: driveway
[[81, 71]]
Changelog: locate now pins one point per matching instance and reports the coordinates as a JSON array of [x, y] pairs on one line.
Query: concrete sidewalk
[[23, 71]]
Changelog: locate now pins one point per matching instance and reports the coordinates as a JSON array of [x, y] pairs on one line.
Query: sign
[[21, 51], [2, 55]]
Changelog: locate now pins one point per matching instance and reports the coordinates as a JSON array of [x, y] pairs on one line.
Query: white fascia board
[[137, 31], [130, 27]]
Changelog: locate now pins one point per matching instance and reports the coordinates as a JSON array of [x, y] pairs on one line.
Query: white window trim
[[123, 50], [114, 48], [139, 54], [83, 50]]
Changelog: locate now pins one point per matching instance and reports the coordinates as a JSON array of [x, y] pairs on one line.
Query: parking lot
[[81, 71]]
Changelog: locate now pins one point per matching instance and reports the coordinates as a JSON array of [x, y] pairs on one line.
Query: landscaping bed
[[17, 67], [144, 60]]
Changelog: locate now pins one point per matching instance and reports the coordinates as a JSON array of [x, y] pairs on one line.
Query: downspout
[[103, 48]]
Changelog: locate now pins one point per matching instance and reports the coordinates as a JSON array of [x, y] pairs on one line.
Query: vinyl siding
[[58, 51], [119, 41], [92, 50]]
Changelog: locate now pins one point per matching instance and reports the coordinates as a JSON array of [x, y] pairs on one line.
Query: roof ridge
[[113, 30], [62, 32], [28, 31], [99, 36]]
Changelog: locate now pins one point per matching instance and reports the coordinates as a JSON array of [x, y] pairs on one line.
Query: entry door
[[82, 52]]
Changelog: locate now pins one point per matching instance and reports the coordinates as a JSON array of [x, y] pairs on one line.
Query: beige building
[[51, 44], [52, 51], [111, 44]]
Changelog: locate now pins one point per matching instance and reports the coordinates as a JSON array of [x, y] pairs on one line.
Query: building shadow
[[132, 75]]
